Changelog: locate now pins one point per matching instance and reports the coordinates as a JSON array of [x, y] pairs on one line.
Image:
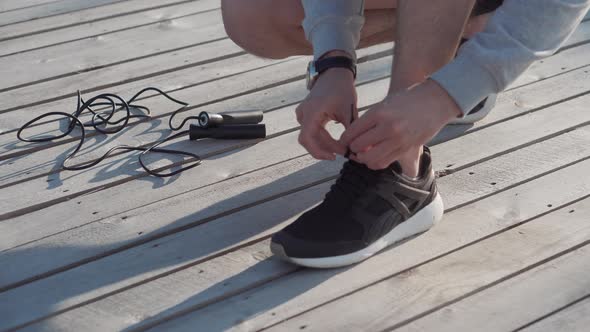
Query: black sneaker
[[364, 212]]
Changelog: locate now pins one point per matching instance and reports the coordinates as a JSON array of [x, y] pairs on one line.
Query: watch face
[[312, 74]]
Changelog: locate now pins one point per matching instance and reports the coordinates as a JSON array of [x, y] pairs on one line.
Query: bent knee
[[257, 28]]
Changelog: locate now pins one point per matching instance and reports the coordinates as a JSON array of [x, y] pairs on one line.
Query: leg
[[272, 28], [428, 34]]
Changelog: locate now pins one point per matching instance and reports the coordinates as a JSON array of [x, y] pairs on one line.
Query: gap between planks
[[91, 15], [54, 8], [494, 187], [14, 5], [44, 109], [397, 300], [573, 317], [516, 301], [497, 222], [574, 120], [449, 157], [81, 56], [100, 29]]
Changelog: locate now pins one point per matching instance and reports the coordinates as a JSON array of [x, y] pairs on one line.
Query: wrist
[[444, 102], [337, 78], [329, 65]]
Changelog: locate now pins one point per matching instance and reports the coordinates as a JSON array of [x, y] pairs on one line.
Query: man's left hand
[[403, 121]]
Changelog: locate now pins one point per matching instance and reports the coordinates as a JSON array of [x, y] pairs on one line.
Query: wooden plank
[[83, 16], [199, 95], [27, 226], [11, 121], [214, 170], [56, 89], [43, 162], [103, 28], [61, 92], [274, 120], [574, 318], [400, 298], [50, 9], [522, 130], [584, 29], [195, 286], [172, 215], [516, 301], [12, 5], [128, 45]]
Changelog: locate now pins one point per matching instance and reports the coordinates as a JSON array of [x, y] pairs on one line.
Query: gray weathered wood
[[31, 100], [541, 290], [181, 84], [28, 229], [127, 45], [275, 126], [117, 224], [49, 9], [12, 120], [12, 5], [253, 212], [575, 318], [154, 130], [522, 130], [103, 28], [393, 301], [94, 14], [213, 170], [216, 279]]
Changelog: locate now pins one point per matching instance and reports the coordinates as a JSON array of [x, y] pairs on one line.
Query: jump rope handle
[[209, 120], [242, 131]]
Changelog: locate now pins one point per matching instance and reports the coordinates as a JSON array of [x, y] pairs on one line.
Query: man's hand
[[402, 122], [331, 98]]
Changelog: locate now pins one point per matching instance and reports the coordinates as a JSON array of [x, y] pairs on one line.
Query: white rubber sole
[[482, 113], [418, 223]]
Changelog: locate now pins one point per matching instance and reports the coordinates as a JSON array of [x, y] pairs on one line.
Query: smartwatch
[[316, 68]]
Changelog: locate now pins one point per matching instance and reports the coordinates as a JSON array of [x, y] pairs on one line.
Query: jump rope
[[227, 125]]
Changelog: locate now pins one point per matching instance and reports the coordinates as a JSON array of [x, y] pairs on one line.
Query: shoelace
[[353, 182]]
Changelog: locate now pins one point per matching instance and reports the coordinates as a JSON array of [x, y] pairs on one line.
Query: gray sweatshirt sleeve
[[333, 25], [520, 32]]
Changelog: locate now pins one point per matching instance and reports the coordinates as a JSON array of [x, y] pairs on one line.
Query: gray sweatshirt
[[520, 32]]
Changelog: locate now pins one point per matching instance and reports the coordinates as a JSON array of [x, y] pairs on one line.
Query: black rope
[[101, 121]]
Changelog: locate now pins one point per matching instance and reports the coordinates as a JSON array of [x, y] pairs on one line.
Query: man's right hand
[[331, 98]]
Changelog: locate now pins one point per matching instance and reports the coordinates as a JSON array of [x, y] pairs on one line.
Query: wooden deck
[[110, 248]]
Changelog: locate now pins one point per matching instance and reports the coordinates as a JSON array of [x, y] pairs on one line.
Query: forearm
[[333, 25], [519, 33]]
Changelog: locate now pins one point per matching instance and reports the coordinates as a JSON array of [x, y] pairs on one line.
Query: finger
[[368, 139], [308, 139], [357, 128], [313, 148], [329, 143], [299, 113], [378, 157]]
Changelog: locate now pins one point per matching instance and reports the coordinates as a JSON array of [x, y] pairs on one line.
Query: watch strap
[[324, 64]]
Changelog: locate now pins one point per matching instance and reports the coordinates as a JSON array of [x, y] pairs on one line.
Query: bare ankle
[[410, 162]]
